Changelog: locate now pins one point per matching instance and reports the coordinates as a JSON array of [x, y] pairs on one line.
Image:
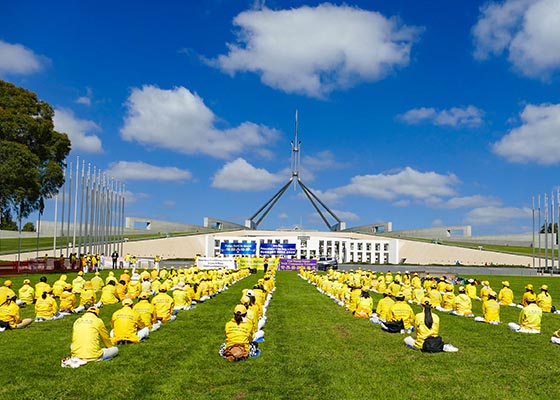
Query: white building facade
[[345, 247]]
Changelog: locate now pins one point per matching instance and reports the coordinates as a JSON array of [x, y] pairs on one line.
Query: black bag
[[433, 344], [393, 327]]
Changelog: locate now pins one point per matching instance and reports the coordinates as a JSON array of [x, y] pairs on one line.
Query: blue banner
[[278, 249], [239, 248]]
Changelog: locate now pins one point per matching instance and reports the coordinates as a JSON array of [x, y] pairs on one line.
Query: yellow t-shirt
[[86, 333]]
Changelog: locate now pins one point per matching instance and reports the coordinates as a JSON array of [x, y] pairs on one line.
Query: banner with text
[[278, 249], [294, 264], [215, 263], [238, 248]]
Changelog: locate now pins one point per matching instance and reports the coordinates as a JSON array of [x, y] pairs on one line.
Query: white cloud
[[528, 29], [78, 130], [131, 198], [454, 117], [465, 201], [321, 161], [18, 60], [85, 100], [496, 215], [315, 50], [346, 215], [179, 120], [538, 139], [405, 183], [283, 216], [169, 203], [129, 170], [239, 175], [438, 222]]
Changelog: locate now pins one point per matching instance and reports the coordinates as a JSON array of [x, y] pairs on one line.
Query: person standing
[[114, 257]]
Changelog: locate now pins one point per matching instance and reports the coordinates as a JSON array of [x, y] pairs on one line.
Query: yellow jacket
[[181, 298], [401, 310], [26, 294], [530, 317], [544, 301], [87, 297], [78, 285], [383, 307], [9, 312], [239, 334], [125, 323], [147, 312], [364, 307], [163, 304], [87, 331], [109, 295], [491, 311], [46, 308], [463, 304], [40, 288], [505, 296], [67, 301], [422, 331]]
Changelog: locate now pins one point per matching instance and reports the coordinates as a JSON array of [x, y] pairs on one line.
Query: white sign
[[215, 263]]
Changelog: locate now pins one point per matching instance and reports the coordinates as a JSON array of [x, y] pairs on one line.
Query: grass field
[[313, 349]]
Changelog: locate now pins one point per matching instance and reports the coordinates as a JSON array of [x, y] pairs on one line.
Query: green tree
[[28, 227], [32, 153]]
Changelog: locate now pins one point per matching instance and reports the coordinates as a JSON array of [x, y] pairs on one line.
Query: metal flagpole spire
[[533, 244], [552, 231], [295, 155], [255, 220]]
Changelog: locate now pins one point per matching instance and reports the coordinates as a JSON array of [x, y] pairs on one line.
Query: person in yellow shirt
[[67, 300], [26, 292], [490, 310], [147, 312], [181, 298], [434, 295], [555, 337], [529, 291], [97, 283], [41, 287], [110, 277], [544, 300], [463, 304], [364, 305], [87, 298], [400, 311], [426, 324], [505, 297], [448, 299], [134, 287], [109, 294], [58, 286], [382, 309], [470, 288], [529, 318], [127, 324], [238, 334], [46, 308], [86, 334], [164, 304], [78, 283], [484, 290], [9, 313]]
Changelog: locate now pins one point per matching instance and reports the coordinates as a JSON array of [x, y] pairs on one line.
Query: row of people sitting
[[245, 331]]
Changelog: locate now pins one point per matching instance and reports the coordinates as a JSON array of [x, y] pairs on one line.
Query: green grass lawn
[[313, 349]]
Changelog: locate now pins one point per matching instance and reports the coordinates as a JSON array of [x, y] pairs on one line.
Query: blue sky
[[420, 113]]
